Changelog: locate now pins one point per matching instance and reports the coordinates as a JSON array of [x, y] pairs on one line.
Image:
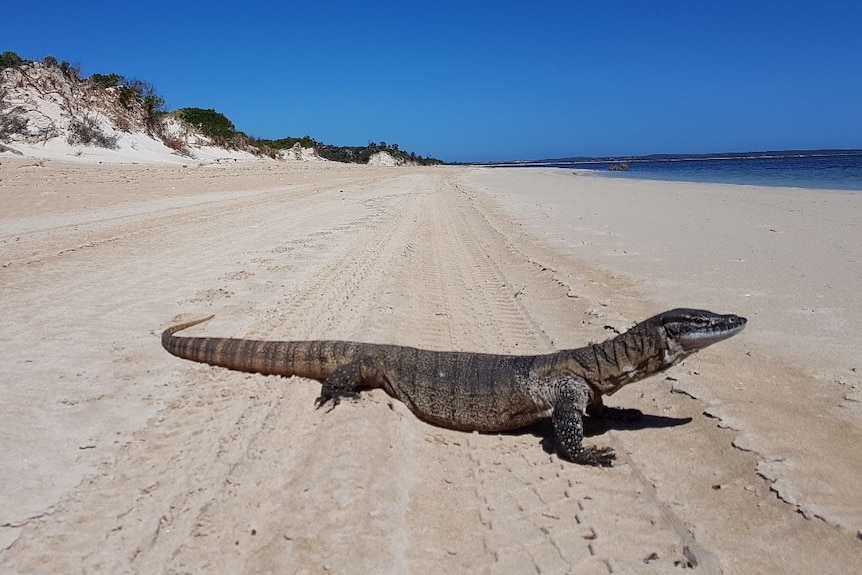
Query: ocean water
[[837, 172]]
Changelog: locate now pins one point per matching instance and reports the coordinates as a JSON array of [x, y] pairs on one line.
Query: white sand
[[121, 458]]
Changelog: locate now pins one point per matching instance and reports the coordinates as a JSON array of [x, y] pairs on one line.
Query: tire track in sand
[[530, 512], [241, 474], [176, 496]]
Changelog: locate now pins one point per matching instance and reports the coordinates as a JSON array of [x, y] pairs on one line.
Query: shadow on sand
[[614, 418]]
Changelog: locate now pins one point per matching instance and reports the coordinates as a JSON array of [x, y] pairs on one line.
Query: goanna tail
[[312, 359]]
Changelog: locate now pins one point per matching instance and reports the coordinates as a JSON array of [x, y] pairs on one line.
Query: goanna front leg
[[572, 400], [343, 382]]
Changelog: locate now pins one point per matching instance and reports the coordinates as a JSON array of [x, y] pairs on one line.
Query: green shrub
[[289, 142], [209, 122], [10, 59], [71, 70], [107, 80]]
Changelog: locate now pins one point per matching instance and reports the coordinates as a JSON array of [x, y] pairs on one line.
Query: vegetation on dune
[[211, 123], [351, 154], [87, 131], [214, 125], [221, 131], [132, 89], [361, 154], [9, 59], [289, 142]]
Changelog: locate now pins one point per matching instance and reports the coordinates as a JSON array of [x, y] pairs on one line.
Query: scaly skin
[[478, 391]]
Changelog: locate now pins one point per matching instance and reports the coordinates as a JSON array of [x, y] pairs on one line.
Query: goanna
[[479, 391]]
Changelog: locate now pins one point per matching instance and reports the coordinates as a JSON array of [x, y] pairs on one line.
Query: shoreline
[[580, 171], [791, 177]]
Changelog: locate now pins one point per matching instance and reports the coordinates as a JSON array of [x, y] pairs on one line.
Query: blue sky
[[465, 81]]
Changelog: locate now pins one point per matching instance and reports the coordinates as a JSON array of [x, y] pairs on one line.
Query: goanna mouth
[[729, 326]]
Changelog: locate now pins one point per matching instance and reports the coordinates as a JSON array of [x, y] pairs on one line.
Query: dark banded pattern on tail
[[312, 359]]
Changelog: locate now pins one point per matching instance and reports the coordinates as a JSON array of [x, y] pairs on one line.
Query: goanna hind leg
[[568, 425]]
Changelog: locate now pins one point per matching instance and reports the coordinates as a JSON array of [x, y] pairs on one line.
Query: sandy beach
[[119, 458]]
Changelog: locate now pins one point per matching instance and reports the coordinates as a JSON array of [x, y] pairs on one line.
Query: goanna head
[[690, 330]]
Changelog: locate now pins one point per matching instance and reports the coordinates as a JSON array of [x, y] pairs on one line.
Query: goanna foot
[[595, 456], [335, 397]]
